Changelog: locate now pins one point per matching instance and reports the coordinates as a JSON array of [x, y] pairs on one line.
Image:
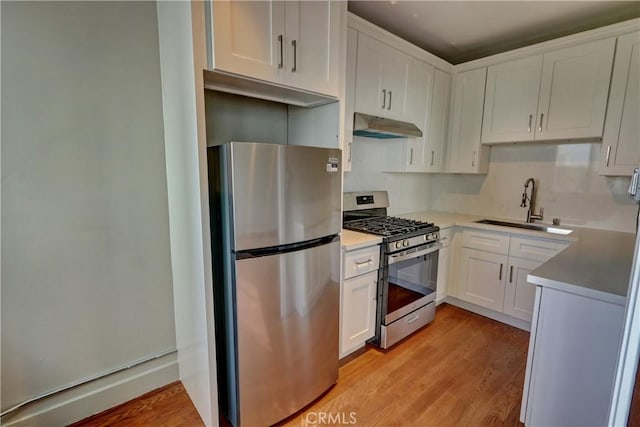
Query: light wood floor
[[462, 370]]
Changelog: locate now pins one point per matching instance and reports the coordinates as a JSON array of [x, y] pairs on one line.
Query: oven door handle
[[404, 256]]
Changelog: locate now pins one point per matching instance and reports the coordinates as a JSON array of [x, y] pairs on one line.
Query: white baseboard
[[96, 396], [500, 317]]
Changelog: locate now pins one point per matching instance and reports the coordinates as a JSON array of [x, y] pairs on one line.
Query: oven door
[[411, 279]]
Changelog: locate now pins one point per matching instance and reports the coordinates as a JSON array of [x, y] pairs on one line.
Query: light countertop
[[597, 264], [352, 240]]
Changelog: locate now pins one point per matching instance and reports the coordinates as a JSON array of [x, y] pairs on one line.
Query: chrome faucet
[[531, 215]]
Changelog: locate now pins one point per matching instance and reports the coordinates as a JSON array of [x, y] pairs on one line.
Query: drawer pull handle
[[413, 319], [361, 263], [384, 98]]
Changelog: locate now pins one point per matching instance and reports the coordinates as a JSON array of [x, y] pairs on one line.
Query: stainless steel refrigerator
[[275, 223]]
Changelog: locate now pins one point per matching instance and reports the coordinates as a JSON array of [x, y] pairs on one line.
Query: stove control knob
[[398, 244], [405, 243]]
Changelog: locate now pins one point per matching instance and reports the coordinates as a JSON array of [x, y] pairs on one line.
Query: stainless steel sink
[[535, 227]]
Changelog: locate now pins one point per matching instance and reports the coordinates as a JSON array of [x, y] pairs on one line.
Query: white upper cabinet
[[248, 38], [621, 139], [313, 37], [292, 43], [511, 100], [558, 95], [382, 80], [465, 152], [350, 95], [421, 82], [437, 124], [574, 90]]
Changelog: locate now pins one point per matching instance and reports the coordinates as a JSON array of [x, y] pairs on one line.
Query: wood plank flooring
[[462, 370], [168, 406]]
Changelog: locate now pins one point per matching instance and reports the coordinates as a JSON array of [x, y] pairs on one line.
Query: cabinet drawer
[[534, 249], [361, 261], [486, 241]]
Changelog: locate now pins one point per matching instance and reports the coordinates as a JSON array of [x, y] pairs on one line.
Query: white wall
[[86, 266], [192, 288], [569, 187]]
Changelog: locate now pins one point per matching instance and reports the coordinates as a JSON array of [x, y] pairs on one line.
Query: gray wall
[[86, 273]]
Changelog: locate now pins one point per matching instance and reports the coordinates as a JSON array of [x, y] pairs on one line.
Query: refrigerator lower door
[[287, 331]]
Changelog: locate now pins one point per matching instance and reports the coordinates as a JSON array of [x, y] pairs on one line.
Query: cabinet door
[[620, 141], [369, 95], [512, 100], [312, 40], [574, 90], [437, 123], [421, 80], [249, 38], [395, 80], [465, 154], [358, 311], [519, 295], [443, 273], [482, 278], [350, 95]]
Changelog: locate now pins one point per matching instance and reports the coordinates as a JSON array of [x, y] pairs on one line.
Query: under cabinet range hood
[[381, 128]]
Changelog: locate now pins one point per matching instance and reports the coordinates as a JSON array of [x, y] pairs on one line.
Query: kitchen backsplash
[[567, 182], [407, 191]]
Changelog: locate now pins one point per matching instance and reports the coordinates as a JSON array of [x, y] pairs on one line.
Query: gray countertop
[[597, 264]]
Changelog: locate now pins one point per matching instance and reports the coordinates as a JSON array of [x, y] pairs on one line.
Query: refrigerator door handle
[[283, 249]]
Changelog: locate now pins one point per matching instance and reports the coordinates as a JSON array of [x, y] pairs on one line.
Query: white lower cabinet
[[571, 364], [358, 297], [444, 264], [483, 278], [519, 295], [494, 268], [358, 312]]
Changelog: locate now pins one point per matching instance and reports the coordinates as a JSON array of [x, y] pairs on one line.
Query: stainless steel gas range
[[408, 265]]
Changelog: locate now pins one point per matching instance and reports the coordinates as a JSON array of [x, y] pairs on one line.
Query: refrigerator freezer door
[[287, 323], [283, 194]]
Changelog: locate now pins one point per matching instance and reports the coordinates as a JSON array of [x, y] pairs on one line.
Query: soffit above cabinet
[[460, 31]]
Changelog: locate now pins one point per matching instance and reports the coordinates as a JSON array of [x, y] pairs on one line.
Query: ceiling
[[460, 31]]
